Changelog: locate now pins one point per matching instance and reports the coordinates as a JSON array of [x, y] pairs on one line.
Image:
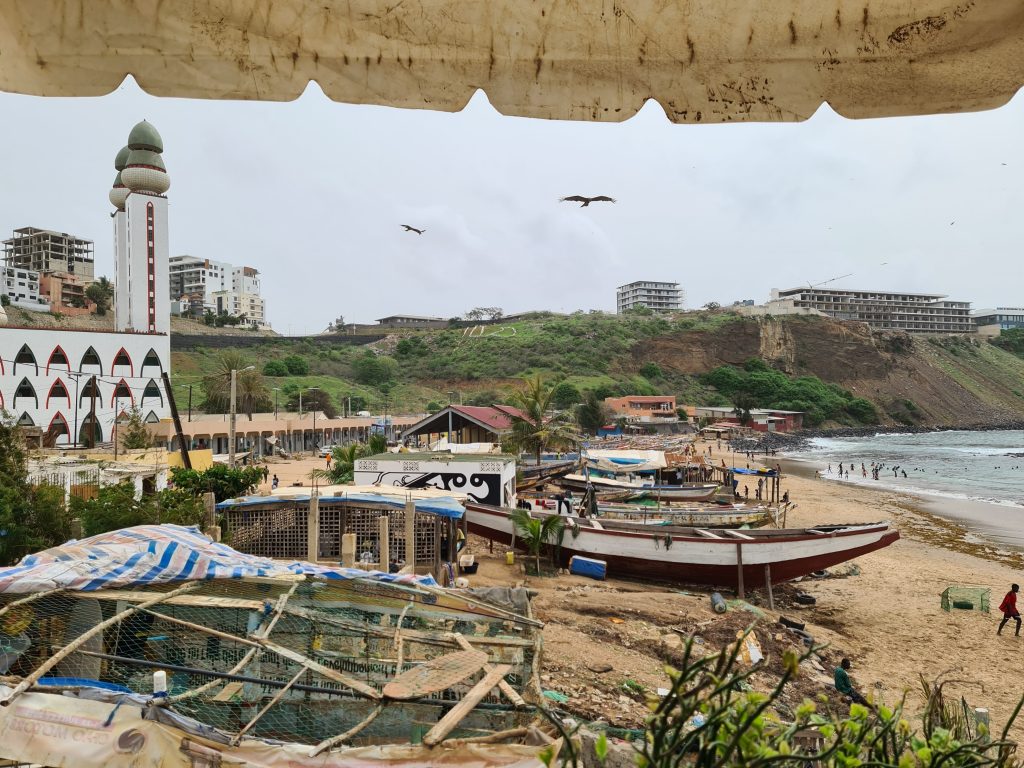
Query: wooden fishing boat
[[727, 516], [534, 475], [631, 490], [721, 558]]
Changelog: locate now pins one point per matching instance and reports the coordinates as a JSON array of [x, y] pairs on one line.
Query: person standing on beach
[[1009, 609]]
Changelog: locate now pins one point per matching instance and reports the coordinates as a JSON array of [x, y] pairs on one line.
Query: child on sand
[[843, 684], [1009, 609]]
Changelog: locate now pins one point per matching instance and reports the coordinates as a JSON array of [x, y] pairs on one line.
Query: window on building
[[121, 358], [90, 390], [25, 389], [58, 390], [25, 420], [122, 392], [90, 358], [25, 357], [152, 391], [57, 357]]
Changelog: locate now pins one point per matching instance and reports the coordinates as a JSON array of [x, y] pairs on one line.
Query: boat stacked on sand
[[695, 555], [626, 475], [156, 646]]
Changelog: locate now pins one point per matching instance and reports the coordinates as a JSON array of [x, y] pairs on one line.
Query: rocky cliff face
[[912, 379]]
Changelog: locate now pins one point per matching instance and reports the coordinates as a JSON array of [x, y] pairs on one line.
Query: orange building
[[642, 407]]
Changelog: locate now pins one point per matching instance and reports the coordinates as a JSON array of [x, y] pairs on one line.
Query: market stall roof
[[702, 60], [443, 505]]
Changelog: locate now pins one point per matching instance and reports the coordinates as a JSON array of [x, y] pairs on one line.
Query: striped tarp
[[157, 554]]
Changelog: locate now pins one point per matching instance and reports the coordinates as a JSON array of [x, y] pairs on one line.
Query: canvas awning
[[702, 60]]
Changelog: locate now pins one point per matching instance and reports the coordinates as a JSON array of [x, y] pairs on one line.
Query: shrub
[[565, 395], [373, 370], [275, 368], [650, 371], [296, 365], [226, 483]]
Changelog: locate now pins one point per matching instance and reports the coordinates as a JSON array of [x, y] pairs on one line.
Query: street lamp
[[231, 420], [276, 390], [312, 389]]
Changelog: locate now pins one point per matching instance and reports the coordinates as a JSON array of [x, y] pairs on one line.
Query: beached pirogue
[[155, 646], [718, 557]]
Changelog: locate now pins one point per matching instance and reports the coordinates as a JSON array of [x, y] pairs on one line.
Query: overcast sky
[[312, 194]]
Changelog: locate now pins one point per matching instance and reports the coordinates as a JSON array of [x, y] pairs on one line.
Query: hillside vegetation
[[839, 373]]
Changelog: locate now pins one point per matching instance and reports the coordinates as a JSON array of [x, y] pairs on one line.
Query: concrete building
[[412, 321], [21, 287], [910, 312], [201, 285], [643, 408], [45, 251], [659, 297], [70, 385], [65, 293], [761, 419], [991, 322]]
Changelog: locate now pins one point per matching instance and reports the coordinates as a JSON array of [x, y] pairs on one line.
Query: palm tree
[[251, 392], [536, 532], [535, 430], [343, 465]]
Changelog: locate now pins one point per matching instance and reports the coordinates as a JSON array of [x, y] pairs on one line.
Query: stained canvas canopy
[[702, 60], [625, 460]]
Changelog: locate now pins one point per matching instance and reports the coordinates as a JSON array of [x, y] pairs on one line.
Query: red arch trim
[[114, 395], [59, 417], [114, 363], [67, 360], [67, 392]]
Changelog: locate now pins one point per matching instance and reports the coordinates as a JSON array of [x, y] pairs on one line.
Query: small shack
[[412, 532], [485, 478]]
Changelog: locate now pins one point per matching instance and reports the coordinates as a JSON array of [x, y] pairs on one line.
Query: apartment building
[[21, 287], [200, 285], [990, 322], [659, 297], [889, 311], [45, 251]]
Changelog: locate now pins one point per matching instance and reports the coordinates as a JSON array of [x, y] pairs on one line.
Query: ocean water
[[978, 466]]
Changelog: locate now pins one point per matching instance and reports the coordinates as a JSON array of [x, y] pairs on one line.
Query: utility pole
[[190, 403], [75, 436], [232, 415], [117, 407], [276, 391], [186, 459]]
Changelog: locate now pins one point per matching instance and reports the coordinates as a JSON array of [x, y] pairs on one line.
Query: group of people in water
[[875, 469]]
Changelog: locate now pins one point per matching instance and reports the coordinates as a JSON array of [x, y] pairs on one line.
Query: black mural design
[[481, 488]]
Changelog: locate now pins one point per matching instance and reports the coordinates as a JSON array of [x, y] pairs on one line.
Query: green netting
[[966, 598], [230, 647]]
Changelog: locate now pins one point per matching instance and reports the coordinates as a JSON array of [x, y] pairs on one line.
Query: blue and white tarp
[[445, 506], [620, 461], [158, 554]]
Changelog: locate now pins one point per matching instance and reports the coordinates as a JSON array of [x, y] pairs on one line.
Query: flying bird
[[413, 229], [585, 201]]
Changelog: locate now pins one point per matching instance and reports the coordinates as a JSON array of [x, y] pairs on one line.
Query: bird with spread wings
[[413, 229], [585, 201]]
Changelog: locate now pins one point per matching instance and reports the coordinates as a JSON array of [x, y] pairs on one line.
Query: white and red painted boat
[[701, 556]]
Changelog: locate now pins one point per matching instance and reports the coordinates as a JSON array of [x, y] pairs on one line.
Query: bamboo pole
[[280, 650], [250, 654], [276, 698], [456, 714], [81, 640], [334, 740]]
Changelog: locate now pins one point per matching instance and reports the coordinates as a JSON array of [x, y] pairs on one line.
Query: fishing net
[[302, 660], [966, 598]]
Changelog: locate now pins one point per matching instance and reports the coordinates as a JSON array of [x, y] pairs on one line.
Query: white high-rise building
[[198, 285], [659, 297]]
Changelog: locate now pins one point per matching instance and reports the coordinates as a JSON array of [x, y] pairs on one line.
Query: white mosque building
[[71, 384]]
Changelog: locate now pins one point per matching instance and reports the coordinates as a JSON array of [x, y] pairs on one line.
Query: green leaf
[[601, 747]]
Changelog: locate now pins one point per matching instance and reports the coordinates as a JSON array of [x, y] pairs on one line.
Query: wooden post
[[313, 529], [768, 584], [410, 535], [186, 460], [384, 542], [739, 572], [348, 550], [437, 551], [209, 513]]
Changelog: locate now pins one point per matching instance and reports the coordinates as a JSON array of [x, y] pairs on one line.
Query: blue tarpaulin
[[445, 506]]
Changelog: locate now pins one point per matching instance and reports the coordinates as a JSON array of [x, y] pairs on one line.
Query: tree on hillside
[[373, 370], [275, 368], [251, 391], [133, 432], [100, 293], [565, 395], [592, 413], [650, 371], [536, 431], [296, 365], [313, 399]]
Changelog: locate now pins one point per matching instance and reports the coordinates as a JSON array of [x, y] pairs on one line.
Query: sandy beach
[[887, 619]]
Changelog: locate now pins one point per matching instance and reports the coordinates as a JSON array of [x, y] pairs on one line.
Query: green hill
[[841, 373]]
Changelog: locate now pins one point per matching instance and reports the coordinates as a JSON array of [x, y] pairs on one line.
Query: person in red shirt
[[1009, 609]]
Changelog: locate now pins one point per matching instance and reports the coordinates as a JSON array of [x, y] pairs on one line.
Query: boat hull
[[712, 561]]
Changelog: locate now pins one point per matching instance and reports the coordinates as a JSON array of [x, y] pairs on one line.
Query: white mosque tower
[[141, 297]]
